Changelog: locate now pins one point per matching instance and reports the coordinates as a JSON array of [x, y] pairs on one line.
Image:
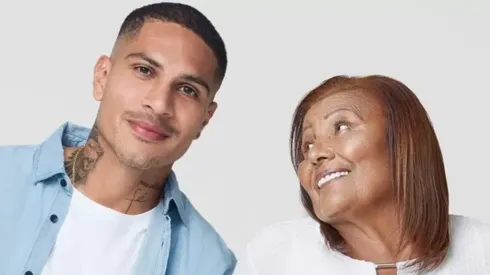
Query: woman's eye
[[341, 126], [307, 146]]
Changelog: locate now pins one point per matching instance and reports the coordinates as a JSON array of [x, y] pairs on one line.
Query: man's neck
[[96, 171]]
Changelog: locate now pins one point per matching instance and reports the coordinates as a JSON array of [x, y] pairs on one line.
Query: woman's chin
[[329, 214]]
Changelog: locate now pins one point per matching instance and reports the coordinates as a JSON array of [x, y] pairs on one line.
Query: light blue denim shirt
[[35, 193]]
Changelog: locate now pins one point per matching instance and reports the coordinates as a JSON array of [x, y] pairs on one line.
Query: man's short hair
[[184, 15]]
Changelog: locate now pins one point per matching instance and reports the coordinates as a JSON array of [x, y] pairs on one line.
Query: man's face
[[156, 94]]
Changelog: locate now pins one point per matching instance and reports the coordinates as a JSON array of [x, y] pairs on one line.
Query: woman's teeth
[[330, 177]]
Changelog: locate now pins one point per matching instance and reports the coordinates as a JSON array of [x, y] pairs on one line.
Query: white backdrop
[[239, 173]]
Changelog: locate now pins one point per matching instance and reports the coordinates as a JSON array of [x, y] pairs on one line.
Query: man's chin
[[139, 160]]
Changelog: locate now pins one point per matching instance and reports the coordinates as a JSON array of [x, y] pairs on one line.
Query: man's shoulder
[[199, 226], [38, 162], [16, 159], [206, 241], [17, 166], [17, 150]]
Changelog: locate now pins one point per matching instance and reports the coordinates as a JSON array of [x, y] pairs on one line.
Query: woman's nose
[[318, 154]]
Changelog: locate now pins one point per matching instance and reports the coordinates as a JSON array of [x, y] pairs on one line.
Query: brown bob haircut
[[416, 165]]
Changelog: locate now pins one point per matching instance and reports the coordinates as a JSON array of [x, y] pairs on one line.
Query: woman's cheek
[[304, 174]]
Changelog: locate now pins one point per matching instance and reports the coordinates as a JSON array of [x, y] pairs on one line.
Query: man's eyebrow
[[145, 57]]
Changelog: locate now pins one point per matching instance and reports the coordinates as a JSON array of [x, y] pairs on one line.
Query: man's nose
[[160, 101]]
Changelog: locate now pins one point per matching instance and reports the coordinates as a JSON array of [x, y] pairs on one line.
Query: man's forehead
[[168, 38], [159, 31]]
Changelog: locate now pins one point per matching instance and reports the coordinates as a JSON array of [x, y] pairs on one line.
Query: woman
[[372, 178]]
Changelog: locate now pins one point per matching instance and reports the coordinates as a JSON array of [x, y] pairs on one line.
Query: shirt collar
[[172, 193], [49, 162]]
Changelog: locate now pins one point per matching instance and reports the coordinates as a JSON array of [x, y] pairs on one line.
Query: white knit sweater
[[297, 248]]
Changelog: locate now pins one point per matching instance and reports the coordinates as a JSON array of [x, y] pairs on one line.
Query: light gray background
[[239, 173]]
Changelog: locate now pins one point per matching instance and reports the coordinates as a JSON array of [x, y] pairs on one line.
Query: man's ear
[[101, 73], [211, 109]]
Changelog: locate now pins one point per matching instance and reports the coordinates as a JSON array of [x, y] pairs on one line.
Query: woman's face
[[345, 168]]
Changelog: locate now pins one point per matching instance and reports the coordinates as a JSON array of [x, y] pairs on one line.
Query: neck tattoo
[[75, 157], [83, 160]]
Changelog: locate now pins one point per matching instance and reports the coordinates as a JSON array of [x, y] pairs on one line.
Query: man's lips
[[148, 131]]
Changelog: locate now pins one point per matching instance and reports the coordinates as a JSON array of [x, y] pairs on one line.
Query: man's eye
[[188, 90], [144, 70]]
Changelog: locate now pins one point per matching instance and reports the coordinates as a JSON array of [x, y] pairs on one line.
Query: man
[[105, 200]]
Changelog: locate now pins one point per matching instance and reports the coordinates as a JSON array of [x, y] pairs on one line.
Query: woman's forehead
[[365, 103]]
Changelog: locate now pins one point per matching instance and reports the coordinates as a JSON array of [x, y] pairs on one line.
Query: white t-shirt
[[297, 247], [96, 240]]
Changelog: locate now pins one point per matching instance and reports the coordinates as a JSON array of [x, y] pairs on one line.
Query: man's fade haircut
[[184, 15]]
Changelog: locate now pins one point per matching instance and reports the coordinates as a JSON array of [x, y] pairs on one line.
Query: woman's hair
[[416, 165]]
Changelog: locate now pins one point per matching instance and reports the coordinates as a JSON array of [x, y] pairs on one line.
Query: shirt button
[[53, 218], [28, 273], [63, 183]]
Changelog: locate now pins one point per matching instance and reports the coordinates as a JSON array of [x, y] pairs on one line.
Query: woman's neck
[[375, 238]]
